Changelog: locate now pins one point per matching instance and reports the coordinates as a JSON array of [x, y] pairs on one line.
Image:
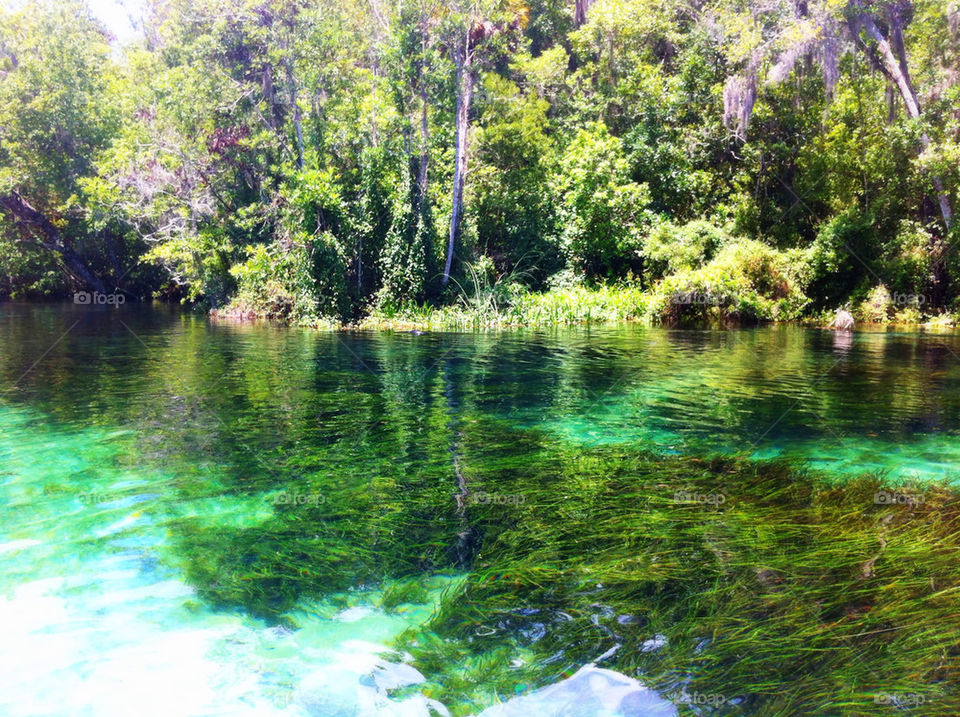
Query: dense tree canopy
[[325, 158]]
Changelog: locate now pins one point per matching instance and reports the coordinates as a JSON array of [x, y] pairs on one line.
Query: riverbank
[[582, 305]]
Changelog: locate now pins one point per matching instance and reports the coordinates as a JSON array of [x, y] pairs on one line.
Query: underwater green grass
[[511, 502], [763, 588], [791, 596]]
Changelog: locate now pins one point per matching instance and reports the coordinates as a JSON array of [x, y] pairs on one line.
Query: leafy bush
[[579, 304], [876, 308], [908, 259], [747, 280], [200, 263], [939, 321], [839, 260], [670, 248], [513, 208], [296, 282], [912, 315], [603, 212], [408, 260]]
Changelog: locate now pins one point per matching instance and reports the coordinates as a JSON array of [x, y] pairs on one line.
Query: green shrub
[[908, 259], [513, 208], [747, 280], [603, 212], [408, 258], [298, 282], [839, 260], [579, 304], [912, 315], [201, 260], [876, 308], [670, 248]]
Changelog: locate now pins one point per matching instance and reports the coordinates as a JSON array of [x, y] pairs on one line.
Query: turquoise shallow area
[[877, 402], [95, 612], [207, 519]]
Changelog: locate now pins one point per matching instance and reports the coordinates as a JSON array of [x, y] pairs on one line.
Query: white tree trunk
[[892, 58], [464, 99]]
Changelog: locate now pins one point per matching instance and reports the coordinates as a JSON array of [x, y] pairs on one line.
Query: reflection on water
[[232, 519]]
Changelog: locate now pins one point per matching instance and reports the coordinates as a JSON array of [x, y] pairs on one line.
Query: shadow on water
[[594, 491]]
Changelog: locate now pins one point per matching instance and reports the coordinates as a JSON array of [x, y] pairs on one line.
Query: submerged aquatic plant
[[769, 589], [772, 590]]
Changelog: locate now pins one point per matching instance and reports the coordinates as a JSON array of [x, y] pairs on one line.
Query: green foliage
[[909, 258], [670, 248], [877, 307], [59, 108], [513, 208], [508, 304], [747, 280], [602, 211], [27, 275], [580, 304], [840, 258], [408, 261], [58, 99], [327, 266], [634, 145], [300, 282]]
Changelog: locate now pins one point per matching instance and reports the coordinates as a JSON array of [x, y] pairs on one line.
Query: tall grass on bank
[[577, 305]]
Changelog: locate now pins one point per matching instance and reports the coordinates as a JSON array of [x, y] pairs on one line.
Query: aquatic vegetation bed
[[749, 587], [728, 586], [485, 509]]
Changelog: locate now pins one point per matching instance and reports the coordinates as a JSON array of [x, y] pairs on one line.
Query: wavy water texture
[[223, 519]]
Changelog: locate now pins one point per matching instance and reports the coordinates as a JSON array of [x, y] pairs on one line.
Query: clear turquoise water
[[154, 557]]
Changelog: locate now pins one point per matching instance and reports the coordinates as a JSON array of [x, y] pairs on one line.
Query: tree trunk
[[464, 98], [424, 144], [580, 8], [49, 237], [297, 117], [891, 59]]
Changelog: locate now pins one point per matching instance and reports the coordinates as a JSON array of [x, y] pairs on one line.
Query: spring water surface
[[223, 519]]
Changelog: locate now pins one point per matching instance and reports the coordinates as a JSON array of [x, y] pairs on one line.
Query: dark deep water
[[217, 519]]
